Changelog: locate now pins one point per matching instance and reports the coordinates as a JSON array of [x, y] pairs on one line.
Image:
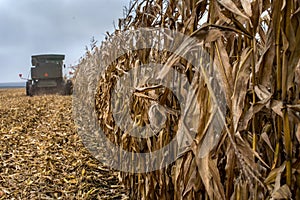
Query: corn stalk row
[[255, 47]]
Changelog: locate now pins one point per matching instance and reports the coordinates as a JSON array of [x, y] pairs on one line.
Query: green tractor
[[47, 76]]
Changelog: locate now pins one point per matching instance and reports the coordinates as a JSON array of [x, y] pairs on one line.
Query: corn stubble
[[255, 47], [41, 155]]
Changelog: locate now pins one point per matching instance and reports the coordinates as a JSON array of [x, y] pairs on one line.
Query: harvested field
[[42, 157]]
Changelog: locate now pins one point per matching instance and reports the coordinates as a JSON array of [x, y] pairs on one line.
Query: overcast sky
[[30, 27]]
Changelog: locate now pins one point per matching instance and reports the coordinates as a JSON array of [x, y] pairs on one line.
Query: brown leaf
[[283, 192], [240, 87], [247, 7], [224, 70], [230, 5], [277, 107], [213, 35], [262, 92], [265, 137], [264, 66], [274, 173]]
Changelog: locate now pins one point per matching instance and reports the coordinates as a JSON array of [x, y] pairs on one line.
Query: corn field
[[255, 48]]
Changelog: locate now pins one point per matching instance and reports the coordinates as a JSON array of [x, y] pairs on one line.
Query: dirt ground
[[41, 155]]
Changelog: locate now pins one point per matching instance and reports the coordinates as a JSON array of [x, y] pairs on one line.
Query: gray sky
[[30, 27]]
